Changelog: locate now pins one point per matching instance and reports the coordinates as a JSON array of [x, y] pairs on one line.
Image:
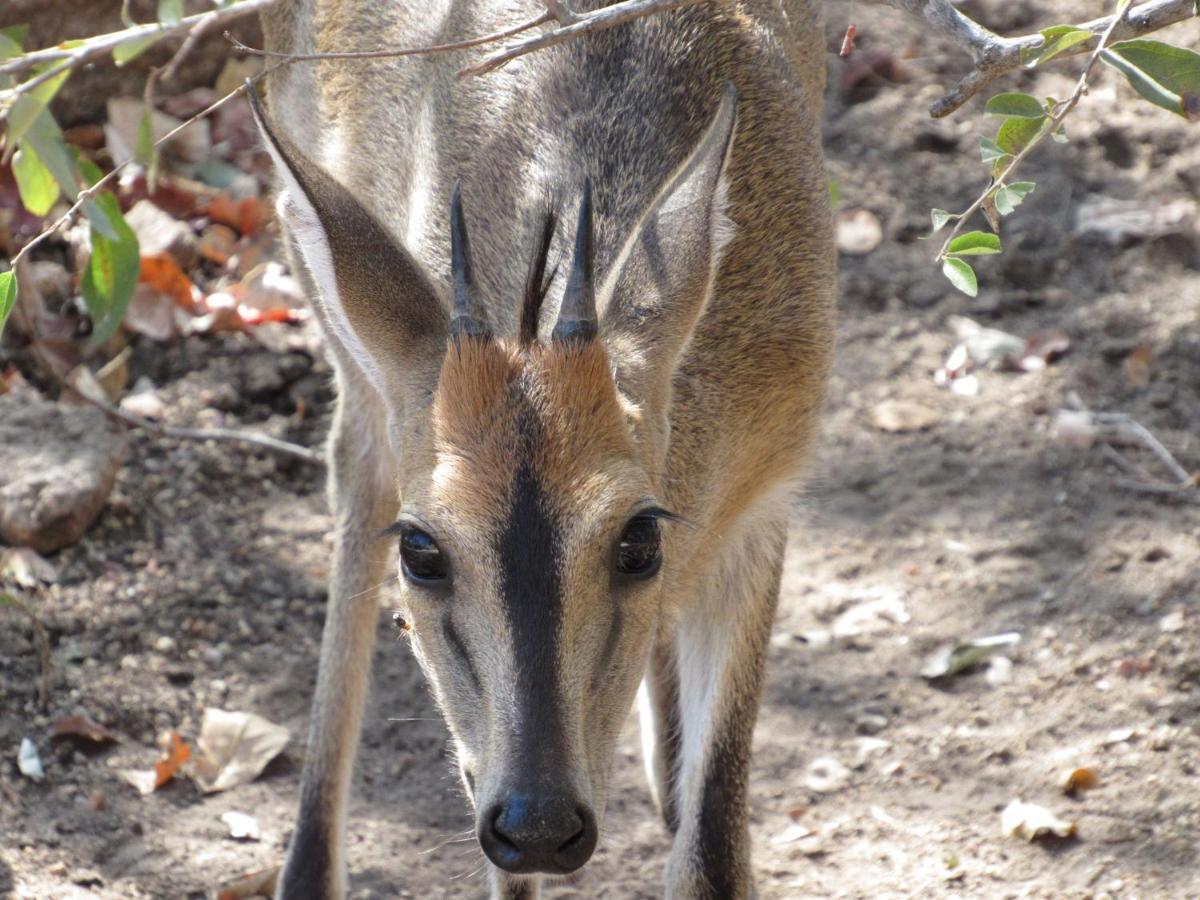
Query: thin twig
[[589, 23], [1048, 127], [559, 10], [43, 644], [89, 192], [101, 44], [392, 52], [994, 55], [1135, 432]]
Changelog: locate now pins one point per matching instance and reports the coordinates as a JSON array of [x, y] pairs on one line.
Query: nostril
[[580, 832]]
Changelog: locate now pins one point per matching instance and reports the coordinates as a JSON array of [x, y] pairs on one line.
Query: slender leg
[[658, 707], [363, 497], [721, 645]]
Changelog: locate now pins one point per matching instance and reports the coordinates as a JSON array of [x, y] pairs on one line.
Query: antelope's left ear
[[665, 272]]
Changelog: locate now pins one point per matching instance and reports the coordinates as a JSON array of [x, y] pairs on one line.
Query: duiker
[[581, 312]]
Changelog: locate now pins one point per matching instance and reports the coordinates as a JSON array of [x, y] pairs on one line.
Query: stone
[[60, 463]]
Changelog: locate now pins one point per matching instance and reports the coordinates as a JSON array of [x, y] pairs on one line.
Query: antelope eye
[[639, 552], [420, 557]]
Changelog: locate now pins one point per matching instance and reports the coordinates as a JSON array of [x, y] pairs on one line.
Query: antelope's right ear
[[374, 295]]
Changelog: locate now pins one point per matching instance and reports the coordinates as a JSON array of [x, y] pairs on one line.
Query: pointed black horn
[[577, 315], [468, 316]]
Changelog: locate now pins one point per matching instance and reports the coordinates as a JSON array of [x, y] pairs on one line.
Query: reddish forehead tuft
[[498, 403]]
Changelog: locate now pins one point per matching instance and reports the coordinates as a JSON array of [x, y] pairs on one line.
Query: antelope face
[[530, 552], [531, 567]]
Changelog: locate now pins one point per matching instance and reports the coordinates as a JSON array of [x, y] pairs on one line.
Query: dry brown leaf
[[255, 884], [1079, 780], [1139, 366], [175, 753], [26, 568], [234, 748], [246, 215], [163, 273], [83, 728]]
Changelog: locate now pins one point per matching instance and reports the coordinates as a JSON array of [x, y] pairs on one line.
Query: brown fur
[[701, 394]]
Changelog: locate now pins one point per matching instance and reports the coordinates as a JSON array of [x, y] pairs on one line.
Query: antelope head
[[535, 533]]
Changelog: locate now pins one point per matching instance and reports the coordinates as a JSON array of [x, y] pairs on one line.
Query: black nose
[[538, 833]]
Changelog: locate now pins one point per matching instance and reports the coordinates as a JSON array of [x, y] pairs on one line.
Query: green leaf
[[1021, 106], [8, 296], [991, 151], [11, 40], [46, 140], [1060, 136], [1015, 134], [940, 217], [127, 50], [962, 276], [1167, 76], [35, 183], [31, 105], [170, 11], [1055, 40], [112, 271], [1008, 198], [974, 243]]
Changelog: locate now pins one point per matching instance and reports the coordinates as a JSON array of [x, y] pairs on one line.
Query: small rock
[[826, 775], [60, 466], [160, 232], [242, 826], [999, 671], [858, 232], [870, 723], [1172, 621], [146, 404], [867, 749], [903, 415]]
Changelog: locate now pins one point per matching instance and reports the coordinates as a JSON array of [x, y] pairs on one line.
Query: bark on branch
[[995, 55]]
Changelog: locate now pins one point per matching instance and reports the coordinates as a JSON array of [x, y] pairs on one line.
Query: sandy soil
[[203, 582]]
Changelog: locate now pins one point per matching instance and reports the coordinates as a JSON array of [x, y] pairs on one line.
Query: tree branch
[[587, 23], [995, 55], [90, 48], [1049, 126]]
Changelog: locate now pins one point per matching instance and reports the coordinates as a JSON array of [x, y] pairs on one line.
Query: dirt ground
[[203, 582]]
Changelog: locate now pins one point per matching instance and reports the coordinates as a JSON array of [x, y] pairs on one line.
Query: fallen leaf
[[871, 616], [1075, 428], [217, 243], [953, 659], [175, 753], [83, 728], [1139, 365], [903, 415], [234, 747], [1079, 780], [164, 274], [26, 568], [255, 884], [28, 761], [114, 374], [246, 215], [848, 40], [242, 826], [790, 834], [1042, 348], [1030, 822]]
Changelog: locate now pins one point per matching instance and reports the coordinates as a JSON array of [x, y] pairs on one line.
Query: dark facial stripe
[[454, 639], [530, 553]]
